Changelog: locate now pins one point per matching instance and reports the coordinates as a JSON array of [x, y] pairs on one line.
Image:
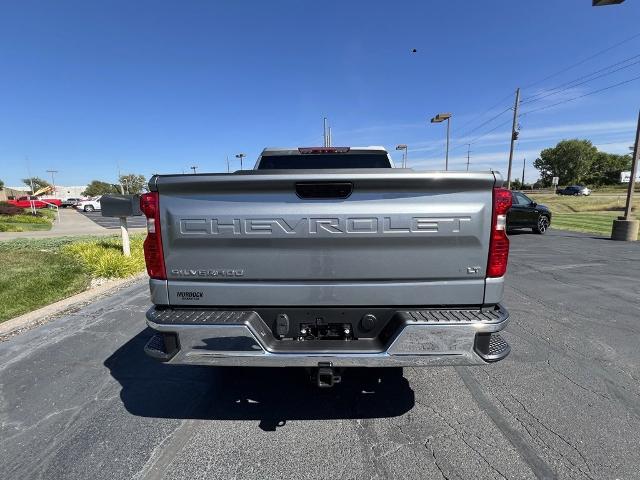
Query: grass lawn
[[592, 214], [27, 222], [599, 223], [39, 272], [22, 227], [32, 277]]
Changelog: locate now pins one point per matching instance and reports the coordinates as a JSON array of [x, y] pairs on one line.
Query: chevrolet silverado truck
[[327, 258]]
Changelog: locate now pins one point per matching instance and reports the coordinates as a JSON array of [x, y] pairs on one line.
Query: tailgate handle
[[320, 190]]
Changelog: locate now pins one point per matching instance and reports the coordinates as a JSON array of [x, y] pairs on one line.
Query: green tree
[[96, 187], [606, 168], [570, 160], [132, 183], [1, 185], [37, 183], [516, 184]]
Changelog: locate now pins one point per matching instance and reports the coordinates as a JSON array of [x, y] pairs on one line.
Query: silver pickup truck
[[327, 258]]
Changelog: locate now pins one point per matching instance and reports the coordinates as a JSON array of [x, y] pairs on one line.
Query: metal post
[[634, 172], [524, 163], [124, 230], [446, 161], [228, 168], [514, 135], [406, 157], [324, 132]]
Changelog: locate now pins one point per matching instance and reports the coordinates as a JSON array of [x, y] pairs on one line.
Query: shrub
[[8, 209], [104, 258]]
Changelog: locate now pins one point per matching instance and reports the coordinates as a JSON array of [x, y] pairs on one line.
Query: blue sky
[[155, 87]]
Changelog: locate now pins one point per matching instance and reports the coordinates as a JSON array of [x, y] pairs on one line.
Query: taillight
[[499, 242], [153, 255]]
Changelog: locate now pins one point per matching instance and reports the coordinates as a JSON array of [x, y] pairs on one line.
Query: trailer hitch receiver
[[327, 376]]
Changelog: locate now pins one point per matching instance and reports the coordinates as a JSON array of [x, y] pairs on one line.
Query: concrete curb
[[29, 320]]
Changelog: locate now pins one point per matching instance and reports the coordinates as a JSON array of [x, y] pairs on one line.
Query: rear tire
[[89, 208], [542, 226]]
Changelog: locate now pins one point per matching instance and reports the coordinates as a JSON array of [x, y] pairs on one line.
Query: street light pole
[[403, 147], [441, 117], [194, 168], [446, 160], [240, 156]]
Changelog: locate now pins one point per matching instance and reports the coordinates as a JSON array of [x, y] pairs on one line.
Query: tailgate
[[398, 238]]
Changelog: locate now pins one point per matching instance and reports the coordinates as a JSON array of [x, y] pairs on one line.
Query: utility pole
[[330, 139], [634, 172], [53, 180], [626, 228], [524, 163], [468, 155], [228, 168], [194, 168], [514, 136]]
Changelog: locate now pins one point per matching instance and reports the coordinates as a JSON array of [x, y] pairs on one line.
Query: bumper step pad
[[156, 347], [492, 347]]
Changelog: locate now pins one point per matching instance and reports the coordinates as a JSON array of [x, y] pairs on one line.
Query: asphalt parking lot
[[79, 399], [112, 223]]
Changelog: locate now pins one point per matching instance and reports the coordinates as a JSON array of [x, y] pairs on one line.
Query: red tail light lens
[[153, 255], [499, 242]]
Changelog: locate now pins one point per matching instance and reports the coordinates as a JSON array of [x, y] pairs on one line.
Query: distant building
[[62, 192], [11, 192], [75, 191]]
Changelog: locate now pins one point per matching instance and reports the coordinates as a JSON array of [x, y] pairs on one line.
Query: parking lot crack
[[429, 446], [561, 438]]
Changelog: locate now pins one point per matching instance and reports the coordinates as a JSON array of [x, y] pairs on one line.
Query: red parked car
[[25, 202]]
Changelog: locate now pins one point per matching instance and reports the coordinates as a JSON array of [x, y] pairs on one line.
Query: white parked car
[[89, 205]]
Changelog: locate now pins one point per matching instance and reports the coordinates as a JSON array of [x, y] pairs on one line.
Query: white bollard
[[124, 229]]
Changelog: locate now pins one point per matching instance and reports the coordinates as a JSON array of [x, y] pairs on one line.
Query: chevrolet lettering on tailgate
[[307, 226]]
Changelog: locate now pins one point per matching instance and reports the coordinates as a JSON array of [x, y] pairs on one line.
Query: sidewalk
[[71, 224]]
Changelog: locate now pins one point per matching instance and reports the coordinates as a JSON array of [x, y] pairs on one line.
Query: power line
[[609, 87], [483, 135], [598, 53], [487, 121], [485, 112], [573, 84]]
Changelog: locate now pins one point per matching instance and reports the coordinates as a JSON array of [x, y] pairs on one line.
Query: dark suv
[[525, 213], [574, 190]]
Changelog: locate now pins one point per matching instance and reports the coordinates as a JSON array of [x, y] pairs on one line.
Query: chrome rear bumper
[[240, 338]]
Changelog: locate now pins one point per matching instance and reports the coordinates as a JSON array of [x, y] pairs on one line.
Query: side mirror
[[533, 204]]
